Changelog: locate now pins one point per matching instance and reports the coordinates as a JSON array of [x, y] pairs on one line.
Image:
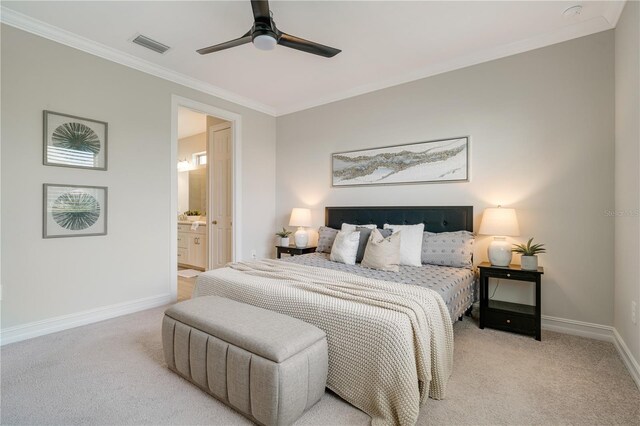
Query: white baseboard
[[64, 322], [627, 358], [578, 328], [598, 332]]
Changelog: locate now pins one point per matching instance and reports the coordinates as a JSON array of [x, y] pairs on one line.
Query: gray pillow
[[326, 237], [365, 232], [448, 249]]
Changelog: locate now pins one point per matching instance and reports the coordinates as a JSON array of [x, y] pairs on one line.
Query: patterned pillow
[[326, 236], [365, 232], [448, 249]]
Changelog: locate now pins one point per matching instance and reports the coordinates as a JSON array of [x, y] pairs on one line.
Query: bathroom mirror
[[198, 190]]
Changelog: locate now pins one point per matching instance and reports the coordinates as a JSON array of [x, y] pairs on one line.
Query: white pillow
[[350, 227], [345, 247], [410, 243]]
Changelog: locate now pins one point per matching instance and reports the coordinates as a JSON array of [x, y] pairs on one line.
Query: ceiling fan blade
[[298, 43], [226, 45], [261, 10]]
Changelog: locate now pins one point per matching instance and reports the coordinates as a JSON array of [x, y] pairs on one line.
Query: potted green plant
[[192, 215], [529, 254], [284, 237]]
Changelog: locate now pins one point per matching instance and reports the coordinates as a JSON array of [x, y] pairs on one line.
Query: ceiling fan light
[[265, 42]]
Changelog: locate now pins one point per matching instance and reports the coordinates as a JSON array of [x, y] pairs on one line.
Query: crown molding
[[580, 29], [577, 30], [42, 29], [613, 12]]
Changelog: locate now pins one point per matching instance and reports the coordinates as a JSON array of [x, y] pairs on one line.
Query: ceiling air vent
[[150, 44]]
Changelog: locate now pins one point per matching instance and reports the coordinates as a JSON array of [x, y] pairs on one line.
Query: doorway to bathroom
[[204, 196]]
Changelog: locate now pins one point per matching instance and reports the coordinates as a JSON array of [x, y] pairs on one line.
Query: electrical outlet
[[253, 254], [634, 316]]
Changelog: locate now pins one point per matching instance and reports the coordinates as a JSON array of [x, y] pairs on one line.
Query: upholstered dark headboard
[[435, 219]]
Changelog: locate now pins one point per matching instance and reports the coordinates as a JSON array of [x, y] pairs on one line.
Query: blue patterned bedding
[[457, 286]]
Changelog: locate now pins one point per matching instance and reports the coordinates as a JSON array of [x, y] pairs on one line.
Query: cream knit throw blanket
[[390, 345]]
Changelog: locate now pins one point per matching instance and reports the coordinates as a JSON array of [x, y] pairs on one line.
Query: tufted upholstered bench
[[268, 366]]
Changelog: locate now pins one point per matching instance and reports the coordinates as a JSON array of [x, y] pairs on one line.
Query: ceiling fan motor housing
[[262, 29], [263, 36]]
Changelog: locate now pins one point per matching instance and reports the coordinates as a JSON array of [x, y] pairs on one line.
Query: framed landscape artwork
[[445, 160], [71, 141], [74, 211]]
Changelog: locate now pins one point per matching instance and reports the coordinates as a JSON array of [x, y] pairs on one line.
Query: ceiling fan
[[265, 35]]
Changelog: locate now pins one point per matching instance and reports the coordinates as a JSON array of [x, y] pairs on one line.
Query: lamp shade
[[499, 221], [300, 217]]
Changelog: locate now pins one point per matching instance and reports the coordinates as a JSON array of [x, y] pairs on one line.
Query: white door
[[220, 199]]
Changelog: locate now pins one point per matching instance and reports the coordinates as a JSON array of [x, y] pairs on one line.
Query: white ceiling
[[383, 43]]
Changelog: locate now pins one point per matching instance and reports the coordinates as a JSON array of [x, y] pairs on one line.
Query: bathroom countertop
[[187, 222]]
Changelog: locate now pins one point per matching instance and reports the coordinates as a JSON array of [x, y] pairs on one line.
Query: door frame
[[210, 130], [236, 134]]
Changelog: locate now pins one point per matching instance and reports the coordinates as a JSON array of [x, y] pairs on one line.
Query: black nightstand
[[516, 317], [293, 250]]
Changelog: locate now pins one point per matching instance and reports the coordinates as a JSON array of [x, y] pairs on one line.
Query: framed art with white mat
[[71, 141], [74, 211]]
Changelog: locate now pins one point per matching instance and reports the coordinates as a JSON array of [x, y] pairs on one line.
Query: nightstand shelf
[[514, 308], [508, 316]]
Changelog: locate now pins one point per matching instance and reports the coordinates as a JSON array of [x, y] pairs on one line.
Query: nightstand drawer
[[510, 274], [510, 322]]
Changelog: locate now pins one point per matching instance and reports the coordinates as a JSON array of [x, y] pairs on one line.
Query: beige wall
[[541, 127], [627, 176], [190, 145], [42, 279]]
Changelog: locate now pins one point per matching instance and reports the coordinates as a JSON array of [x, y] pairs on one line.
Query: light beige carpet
[[113, 373]]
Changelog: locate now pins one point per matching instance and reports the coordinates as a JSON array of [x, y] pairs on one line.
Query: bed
[[390, 345], [456, 286]]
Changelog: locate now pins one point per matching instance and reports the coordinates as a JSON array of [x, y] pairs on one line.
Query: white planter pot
[[284, 242], [529, 263]]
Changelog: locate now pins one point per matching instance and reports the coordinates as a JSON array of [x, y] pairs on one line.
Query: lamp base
[[499, 252], [301, 237]]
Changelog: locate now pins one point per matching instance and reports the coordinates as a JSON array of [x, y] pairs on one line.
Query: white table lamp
[[300, 218], [500, 223]]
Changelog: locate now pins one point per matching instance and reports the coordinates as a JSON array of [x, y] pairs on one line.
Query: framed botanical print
[[71, 141], [74, 211]]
